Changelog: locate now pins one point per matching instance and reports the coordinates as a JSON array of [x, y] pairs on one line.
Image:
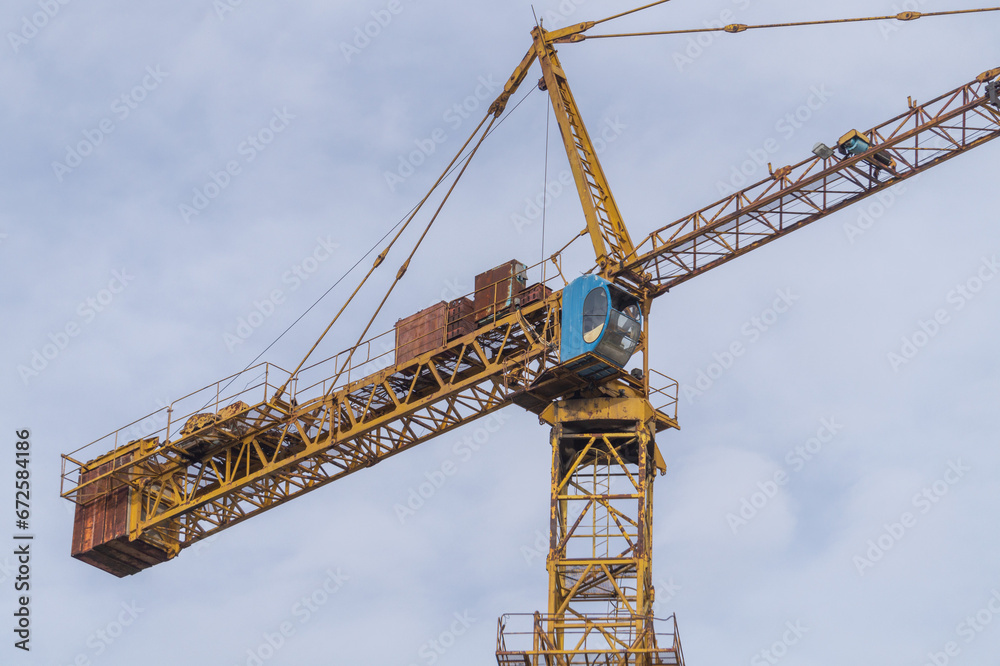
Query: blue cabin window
[[621, 338], [600, 318], [595, 314]]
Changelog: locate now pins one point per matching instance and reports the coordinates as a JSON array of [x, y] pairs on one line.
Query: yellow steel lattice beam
[[923, 137]]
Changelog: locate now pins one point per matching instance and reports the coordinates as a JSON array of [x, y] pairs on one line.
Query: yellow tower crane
[[560, 349]]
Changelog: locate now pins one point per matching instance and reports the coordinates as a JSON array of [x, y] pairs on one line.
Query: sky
[[171, 170]]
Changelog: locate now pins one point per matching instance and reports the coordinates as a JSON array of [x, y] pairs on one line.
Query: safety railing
[[380, 352], [537, 639], [252, 386], [664, 393]]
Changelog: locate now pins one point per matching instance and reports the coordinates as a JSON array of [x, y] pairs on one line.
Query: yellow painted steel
[[289, 443], [600, 607], [607, 230], [741, 27], [232, 459], [187, 488], [608, 233], [923, 137]]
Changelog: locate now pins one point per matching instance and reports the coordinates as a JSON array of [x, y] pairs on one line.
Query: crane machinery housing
[[572, 351]]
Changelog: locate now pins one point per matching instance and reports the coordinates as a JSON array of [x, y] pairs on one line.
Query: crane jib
[[816, 187], [163, 495], [568, 355]]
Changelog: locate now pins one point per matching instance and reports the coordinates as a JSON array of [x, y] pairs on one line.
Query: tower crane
[[572, 351]]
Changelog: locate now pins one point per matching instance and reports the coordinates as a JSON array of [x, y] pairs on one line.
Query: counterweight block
[[108, 504]]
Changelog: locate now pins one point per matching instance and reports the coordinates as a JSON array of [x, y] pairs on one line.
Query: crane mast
[[604, 459], [228, 455]]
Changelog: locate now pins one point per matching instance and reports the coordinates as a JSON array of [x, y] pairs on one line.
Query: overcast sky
[[169, 167]]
